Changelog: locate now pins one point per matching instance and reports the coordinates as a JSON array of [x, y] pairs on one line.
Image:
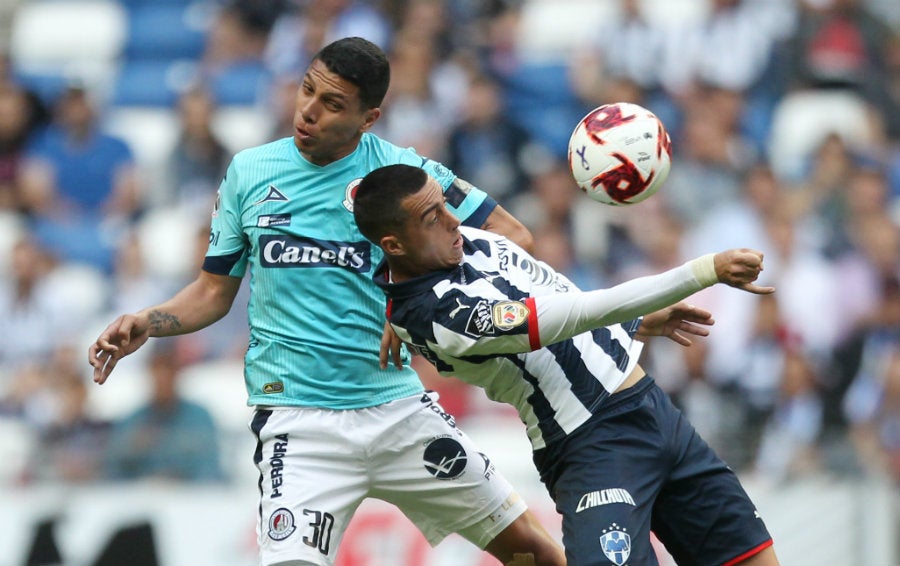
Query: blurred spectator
[[70, 441], [807, 287], [29, 313], [170, 438], [553, 245], [425, 98], [551, 196], [711, 148], [841, 189], [713, 410], [199, 159], [869, 249], [21, 114], [79, 184], [283, 101], [308, 25], [759, 384], [788, 445], [134, 283], [872, 403], [740, 222], [840, 44], [729, 48], [486, 148], [240, 32]]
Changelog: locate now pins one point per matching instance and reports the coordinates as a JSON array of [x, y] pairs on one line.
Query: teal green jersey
[[316, 317]]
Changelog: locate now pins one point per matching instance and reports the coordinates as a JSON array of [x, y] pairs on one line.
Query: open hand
[[124, 336], [676, 322]]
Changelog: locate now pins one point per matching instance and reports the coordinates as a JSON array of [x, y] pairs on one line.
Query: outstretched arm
[[204, 301], [547, 319], [564, 315]]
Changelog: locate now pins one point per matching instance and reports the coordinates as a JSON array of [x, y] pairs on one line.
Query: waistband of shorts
[[643, 385], [432, 395]]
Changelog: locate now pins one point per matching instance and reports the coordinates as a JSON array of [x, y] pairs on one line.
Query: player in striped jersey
[[616, 456], [332, 426]]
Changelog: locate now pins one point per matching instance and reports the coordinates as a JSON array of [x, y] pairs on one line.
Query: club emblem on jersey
[[350, 194], [480, 323], [509, 314], [445, 458], [273, 195], [281, 524], [616, 544]]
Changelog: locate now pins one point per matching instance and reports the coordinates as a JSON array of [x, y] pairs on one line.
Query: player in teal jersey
[[334, 423]]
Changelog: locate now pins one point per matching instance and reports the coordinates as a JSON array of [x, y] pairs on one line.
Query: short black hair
[[376, 206], [361, 62]]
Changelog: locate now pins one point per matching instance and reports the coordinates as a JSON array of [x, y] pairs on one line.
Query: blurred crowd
[[785, 124]]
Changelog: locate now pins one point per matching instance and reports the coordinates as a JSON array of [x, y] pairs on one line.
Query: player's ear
[[371, 116], [392, 245]]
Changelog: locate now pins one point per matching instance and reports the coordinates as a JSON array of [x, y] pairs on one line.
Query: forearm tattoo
[[163, 323]]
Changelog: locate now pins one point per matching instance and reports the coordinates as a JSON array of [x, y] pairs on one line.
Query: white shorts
[[317, 465]]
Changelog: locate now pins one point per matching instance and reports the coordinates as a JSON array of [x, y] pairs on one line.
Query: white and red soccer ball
[[620, 154]]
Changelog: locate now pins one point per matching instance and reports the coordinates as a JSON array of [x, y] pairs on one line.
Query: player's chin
[[456, 257]]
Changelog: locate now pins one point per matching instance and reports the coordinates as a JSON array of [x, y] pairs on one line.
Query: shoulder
[[387, 153]]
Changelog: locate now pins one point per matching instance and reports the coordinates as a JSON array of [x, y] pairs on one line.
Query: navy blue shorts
[[639, 466]]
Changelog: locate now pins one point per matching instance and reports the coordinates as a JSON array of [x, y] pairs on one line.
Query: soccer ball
[[620, 154]]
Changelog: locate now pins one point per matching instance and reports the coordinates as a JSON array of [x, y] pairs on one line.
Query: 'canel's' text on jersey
[[555, 388], [316, 318]]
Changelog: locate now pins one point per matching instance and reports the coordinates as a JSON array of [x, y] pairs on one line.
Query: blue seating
[[240, 84], [152, 83], [46, 85], [163, 31], [539, 98]]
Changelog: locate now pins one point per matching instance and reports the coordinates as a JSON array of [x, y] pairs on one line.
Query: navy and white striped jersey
[[479, 322]]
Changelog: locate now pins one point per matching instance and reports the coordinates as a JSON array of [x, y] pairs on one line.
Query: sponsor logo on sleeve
[[507, 315], [270, 220]]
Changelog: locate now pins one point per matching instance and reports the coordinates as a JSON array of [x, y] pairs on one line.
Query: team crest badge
[[350, 194], [616, 544], [281, 524]]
